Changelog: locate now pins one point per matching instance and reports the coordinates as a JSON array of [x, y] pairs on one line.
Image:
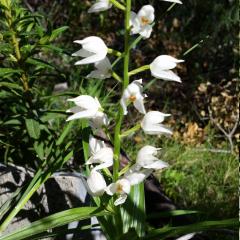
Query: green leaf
[[55, 220], [10, 85], [39, 148], [133, 211], [12, 122], [171, 213], [8, 71], [167, 232], [57, 32], [64, 133], [52, 48], [33, 128], [39, 63]]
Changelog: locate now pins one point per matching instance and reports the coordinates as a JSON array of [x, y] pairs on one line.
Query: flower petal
[[167, 75], [139, 105], [186, 237], [104, 65], [136, 177], [146, 31], [147, 12], [82, 53], [124, 106], [95, 145], [164, 62], [96, 184], [111, 189], [97, 74], [174, 1], [92, 59], [157, 165], [122, 198], [99, 6], [86, 102], [83, 114], [157, 130]]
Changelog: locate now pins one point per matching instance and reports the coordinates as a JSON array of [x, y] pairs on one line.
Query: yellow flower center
[[132, 98], [145, 21], [119, 188]]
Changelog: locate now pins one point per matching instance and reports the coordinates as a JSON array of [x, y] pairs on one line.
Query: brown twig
[[228, 135]]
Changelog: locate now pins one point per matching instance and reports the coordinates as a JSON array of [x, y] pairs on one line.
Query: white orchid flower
[[104, 157], [173, 1], [136, 174], [99, 6], [151, 123], [93, 50], [133, 94], [121, 188], [96, 184], [100, 154], [95, 145], [100, 120], [87, 107], [103, 69], [161, 68], [141, 22], [146, 158]]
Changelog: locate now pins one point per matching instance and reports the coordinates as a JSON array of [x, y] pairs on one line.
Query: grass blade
[[167, 232], [55, 220]]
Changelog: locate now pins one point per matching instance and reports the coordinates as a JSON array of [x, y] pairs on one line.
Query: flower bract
[[93, 50]]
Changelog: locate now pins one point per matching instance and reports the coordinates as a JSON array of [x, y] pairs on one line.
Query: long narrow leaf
[[133, 211], [55, 220], [167, 232], [171, 213]]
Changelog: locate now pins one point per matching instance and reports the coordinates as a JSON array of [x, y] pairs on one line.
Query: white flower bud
[[96, 184]]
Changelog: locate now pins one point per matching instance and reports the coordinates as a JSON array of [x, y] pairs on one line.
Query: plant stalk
[[117, 131], [15, 42]]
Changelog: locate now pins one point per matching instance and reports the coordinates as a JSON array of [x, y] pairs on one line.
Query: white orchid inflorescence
[[102, 156]]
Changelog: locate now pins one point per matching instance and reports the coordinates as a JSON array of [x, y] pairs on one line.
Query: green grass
[[201, 180]]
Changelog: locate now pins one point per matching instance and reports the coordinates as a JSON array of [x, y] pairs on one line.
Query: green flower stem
[[116, 76], [136, 41], [138, 70], [118, 5], [131, 130], [115, 52], [117, 138]]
